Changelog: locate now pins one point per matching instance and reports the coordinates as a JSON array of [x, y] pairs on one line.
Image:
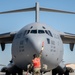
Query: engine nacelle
[[2, 46], [71, 46]]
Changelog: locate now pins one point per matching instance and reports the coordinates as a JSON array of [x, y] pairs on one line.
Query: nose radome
[[37, 43]]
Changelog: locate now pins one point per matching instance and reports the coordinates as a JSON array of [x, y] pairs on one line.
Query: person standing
[[36, 62]]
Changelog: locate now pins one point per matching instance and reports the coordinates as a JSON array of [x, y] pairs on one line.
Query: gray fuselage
[[28, 41]]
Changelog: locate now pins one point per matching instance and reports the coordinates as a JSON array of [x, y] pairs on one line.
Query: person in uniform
[[36, 63]]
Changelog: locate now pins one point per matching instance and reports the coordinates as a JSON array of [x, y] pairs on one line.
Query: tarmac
[[49, 73]]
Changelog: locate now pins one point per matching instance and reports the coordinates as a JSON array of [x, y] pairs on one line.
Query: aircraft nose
[[36, 43]]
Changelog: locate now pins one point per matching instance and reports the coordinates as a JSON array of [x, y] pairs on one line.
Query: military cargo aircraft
[[28, 41]]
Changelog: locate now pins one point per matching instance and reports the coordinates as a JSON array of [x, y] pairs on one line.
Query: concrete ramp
[[49, 73]]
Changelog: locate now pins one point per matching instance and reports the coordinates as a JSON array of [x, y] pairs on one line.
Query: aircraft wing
[[68, 38], [6, 38]]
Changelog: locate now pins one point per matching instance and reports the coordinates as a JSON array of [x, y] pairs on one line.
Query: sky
[[16, 21]]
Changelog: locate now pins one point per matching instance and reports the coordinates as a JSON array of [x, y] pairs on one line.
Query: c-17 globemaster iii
[[28, 41]]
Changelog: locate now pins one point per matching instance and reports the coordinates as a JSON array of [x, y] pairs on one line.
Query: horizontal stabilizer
[[55, 10], [37, 8], [18, 10]]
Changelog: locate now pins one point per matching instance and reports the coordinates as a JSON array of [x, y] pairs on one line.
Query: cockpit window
[[33, 31], [46, 32], [26, 32], [38, 31], [48, 40], [31, 27], [43, 27], [50, 33], [41, 31]]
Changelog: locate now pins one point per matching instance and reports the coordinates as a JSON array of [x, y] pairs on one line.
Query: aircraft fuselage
[[28, 41]]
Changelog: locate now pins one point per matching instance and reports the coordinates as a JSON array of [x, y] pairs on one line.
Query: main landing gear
[[13, 73], [68, 70]]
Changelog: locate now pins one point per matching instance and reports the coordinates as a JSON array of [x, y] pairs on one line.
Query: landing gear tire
[[68, 69], [7, 73], [13, 73], [54, 72], [20, 73], [60, 74], [66, 73]]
